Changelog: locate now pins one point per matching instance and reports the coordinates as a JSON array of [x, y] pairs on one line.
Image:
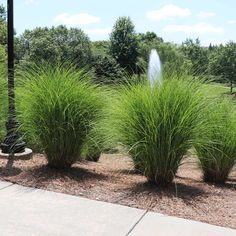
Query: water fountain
[[154, 68]]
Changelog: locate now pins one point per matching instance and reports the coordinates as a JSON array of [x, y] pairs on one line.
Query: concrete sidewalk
[[33, 212]]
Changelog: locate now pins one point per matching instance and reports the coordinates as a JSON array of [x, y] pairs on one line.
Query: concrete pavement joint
[[6, 186], [136, 223]]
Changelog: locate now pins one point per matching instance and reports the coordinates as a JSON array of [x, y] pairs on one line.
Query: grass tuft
[[157, 125], [58, 107], [217, 150]]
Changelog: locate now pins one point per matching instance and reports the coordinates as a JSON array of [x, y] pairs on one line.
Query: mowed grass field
[[216, 90]]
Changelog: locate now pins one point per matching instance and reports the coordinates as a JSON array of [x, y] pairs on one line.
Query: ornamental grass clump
[[58, 109], [157, 124], [94, 143], [217, 150], [3, 100]]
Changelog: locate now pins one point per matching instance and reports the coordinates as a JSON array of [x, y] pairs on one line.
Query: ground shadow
[[179, 190], [9, 170], [46, 174], [128, 172], [230, 184]]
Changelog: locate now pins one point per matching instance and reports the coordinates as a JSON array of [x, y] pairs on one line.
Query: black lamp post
[[13, 142]]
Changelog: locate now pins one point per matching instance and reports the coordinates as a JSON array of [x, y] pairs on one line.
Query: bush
[[157, 125], [106, 70], [58, 109], [217, 150]]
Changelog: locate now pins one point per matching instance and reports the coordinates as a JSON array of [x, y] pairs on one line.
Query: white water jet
[[154, 68]]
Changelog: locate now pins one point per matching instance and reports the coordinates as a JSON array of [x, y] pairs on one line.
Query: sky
[[212, 21]]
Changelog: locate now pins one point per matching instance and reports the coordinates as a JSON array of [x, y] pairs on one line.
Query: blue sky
[[175, 20]]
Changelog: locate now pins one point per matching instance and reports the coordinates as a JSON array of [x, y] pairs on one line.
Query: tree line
[[126, 52]]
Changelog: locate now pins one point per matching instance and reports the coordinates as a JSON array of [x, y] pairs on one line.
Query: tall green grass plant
[[157, 124], [58, 108], [217, 150], [3, 100]]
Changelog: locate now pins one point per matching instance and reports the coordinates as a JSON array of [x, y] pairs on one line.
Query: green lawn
[[213, 90]]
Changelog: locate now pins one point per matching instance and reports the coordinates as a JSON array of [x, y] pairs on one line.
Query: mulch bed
[[113, 179]]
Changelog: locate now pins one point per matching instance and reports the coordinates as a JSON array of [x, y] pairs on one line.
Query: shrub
[[58, 109], [157, 125], [217, 150], [106, 70]]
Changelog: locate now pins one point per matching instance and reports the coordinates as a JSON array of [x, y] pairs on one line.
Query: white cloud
[[205, 14], [76, 19], [99, 31], [231, 22], [198, 29], [168, 12], [30, 2]]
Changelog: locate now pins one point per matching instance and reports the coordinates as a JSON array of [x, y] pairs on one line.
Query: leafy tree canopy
[[223, 62], [124, 45], [197, 55], [56, 45]]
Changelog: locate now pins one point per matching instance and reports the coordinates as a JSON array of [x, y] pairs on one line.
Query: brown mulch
[[113, 179]]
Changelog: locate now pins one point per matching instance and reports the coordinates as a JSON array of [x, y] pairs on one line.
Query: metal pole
[[13, 142], [10, 30]]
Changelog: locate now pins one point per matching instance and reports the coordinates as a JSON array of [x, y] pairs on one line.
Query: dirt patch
[[113, 179]]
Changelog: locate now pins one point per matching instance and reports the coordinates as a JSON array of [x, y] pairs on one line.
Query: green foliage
[[101, 48], [149, 37], [197, 55], [2, 13], [3, 99], [3, 33], [171, 56], [105, 67], [124, 44], [106, 70], [3, 56], [215, 90], [95, 143], [3, 26], [157, 125], [58, 109], [223, 62], [55, 45], [216, 150]]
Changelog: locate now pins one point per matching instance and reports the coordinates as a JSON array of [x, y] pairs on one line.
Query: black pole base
[[13, 142]]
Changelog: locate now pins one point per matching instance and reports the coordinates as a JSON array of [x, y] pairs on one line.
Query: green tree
[[55, 45], [223, 63], [197, 55], [106, 70], [124, 45], [105, 67], [149, 37], [3, 34], [2, 54], [101, 48], [2, 13], [172, 58]]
